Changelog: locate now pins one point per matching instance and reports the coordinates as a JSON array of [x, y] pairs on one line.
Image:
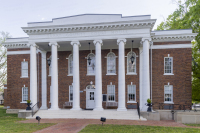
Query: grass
[[136, 129], [194, 125], [9, 124]]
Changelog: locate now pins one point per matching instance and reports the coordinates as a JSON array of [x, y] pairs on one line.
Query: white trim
[[23, 102], [69, 93], [22, 95], [70, 75], [23, 69], [4, 87], [111, 74], [131, 102], [108, 87], [89, 74], [70, 57], [169, 102], [172, 46], [128, 93], [171, 94], [18, 52], [24, 77], [168, 74], [131, 74]]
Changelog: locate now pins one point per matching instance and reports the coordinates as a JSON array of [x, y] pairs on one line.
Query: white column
[[33, 74], [145, 73], [76, 77], [121, 76], [44, 80], [54, 75], [98, 76], [140, 76]]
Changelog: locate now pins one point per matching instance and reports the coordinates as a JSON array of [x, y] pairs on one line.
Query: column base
[[121, 109], [98, 109], [43, 108], [144, 108], [76, 109]]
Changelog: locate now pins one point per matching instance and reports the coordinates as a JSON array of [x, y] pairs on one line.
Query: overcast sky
[[15, 14]]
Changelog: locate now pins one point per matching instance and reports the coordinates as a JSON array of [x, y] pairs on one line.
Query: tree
[[187, 16], [3, 59]]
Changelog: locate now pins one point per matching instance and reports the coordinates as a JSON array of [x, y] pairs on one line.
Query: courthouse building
[[98, 61]]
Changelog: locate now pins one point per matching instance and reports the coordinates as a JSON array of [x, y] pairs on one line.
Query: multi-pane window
[[50, 70], [111, 93], [168, 92], [71, 93], [111, 63], [91, 66], [168, 67], [24, 94], [70, 64], [131, 67], [131, 93], [24, 68]]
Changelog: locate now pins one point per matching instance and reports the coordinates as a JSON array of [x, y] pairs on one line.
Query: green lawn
[[9, 124], [136, 129], [194, 125]]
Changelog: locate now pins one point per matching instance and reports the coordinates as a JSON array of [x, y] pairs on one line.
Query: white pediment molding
[[16, 45], [89, 27]]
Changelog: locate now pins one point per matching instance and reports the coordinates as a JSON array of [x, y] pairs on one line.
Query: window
[[111, 93], [91, 67], [71, 93], [131, 67], [24, 94], [50, 70], [24, 68], [111, 63], [168, 91], [131, 93], [168, 67], [70, 65]]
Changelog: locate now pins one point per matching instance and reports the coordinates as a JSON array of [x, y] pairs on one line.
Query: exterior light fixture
[[49, 61], [89, 59], [132, 57], [38, 118], [103, 119]]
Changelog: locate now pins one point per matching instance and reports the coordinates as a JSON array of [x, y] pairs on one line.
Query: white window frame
[[171, 66], [22, 76], [23, 94], [70, 87], [171, 94], [131, 73], [91, 74], [49, 70], [134, 86], [70, 58], [108, 63], [110, 87]]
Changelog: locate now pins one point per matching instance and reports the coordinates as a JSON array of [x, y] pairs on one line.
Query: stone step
[[88, 114]]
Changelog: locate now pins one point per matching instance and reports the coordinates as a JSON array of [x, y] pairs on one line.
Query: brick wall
[[181, 80]]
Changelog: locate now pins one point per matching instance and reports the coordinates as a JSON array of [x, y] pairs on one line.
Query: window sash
[[91, 67], [131, 68], [111, 63], [70, 93], [168, 93], [24, 94], [70, 65], [131, 93], [110, 93], [168, 65], [24, 68]]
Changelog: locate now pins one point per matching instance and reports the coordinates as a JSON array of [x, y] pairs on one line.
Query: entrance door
[[90, 99]]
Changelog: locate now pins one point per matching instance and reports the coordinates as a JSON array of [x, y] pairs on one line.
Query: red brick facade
[[181, 80]]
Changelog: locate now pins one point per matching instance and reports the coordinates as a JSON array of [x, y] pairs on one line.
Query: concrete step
[[88, 114]]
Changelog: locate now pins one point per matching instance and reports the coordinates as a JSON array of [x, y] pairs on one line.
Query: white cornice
[[89, 27], [18, 52], [175, 37], [16, 45], [171, 46]]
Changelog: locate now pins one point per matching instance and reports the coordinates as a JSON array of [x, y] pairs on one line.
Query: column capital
[[54, 43], [33, 45], [145, 39], [98, 41], [121, 40], [75, 42]]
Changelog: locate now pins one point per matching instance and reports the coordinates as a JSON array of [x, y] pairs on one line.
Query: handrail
[[138, 109], [35, 108]]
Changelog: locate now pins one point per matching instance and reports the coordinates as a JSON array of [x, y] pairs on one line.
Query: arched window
[[70, 65], [91, 66], [131, 67], [111, 63]]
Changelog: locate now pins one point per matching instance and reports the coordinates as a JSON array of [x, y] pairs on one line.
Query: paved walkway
[[75, 125]]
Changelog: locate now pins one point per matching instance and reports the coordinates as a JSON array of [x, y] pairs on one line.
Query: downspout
[[151, 70], [38, 81]]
